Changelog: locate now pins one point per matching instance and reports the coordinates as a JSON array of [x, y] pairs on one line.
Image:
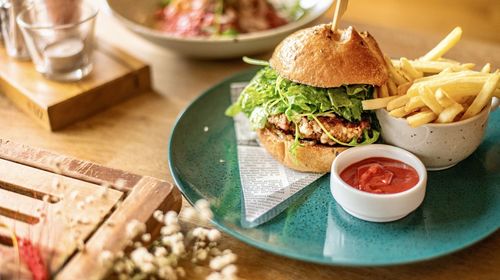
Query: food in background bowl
[[434, 107], [222, 18], [306, 103], [141, 18]]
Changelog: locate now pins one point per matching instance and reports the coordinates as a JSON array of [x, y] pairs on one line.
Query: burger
[[305, 103]]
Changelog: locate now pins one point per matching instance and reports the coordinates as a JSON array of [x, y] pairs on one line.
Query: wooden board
[[115, 77], [49, 214]]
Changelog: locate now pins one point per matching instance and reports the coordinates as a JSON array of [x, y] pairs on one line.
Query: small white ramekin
[[377, 207]]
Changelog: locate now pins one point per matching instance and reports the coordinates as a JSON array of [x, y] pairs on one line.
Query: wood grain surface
[[134, 136]]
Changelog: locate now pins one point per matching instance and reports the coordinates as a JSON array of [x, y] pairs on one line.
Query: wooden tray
[[37, 200], [116, 76]]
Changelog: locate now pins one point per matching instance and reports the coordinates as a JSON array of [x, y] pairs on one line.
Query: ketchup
[[380, 175]]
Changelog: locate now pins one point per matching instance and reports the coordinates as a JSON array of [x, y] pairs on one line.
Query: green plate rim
[[262, 246]]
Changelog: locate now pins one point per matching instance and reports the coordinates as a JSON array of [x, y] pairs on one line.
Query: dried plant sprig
[[167, 256]]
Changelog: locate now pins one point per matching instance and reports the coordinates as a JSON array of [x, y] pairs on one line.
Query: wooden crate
[[62, 204], [116, 76]]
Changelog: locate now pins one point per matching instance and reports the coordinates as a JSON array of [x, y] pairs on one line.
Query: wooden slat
[[82, 170], [147, 196]]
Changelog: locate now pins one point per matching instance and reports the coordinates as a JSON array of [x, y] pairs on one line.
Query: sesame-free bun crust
[[308, 158], [319, 57]]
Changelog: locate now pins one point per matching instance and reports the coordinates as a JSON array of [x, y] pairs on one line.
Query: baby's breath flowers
[[167, 256]]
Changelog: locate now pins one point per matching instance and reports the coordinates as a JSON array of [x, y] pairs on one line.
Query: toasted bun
[[319, 57], [309, 158]]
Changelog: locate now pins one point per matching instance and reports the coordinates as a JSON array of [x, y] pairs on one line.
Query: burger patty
[[339, 128]]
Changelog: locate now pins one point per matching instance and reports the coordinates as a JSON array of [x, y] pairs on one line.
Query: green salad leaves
[[269, 94]]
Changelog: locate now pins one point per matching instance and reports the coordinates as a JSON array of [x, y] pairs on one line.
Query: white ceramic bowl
[[439, 146], [138, 16], [377, 207]]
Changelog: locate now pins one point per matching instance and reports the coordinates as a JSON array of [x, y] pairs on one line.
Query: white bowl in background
[[138, 16], [377, 207], [439, 146]]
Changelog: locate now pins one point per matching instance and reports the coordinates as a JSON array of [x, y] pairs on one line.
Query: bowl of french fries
[[434, 107]]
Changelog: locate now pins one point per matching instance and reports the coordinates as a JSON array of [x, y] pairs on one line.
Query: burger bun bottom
[[308, 158]]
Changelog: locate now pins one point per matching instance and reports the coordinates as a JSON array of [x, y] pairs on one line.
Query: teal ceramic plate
[[462, 205]]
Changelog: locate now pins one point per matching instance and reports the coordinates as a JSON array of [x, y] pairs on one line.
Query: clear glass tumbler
[[59, 35]]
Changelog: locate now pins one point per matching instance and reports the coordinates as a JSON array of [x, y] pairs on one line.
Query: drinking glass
[[59, 35]]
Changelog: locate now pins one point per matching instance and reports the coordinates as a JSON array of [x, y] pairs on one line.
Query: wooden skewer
[[340, 7]]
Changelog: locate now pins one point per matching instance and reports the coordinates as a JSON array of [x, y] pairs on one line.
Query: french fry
[[392, 88], [373, 104], [449, 113], [421, 118], [442, 47], [455, 87], [486, 68], [398, 102], [451, 74], [483, 97], [398, 113], [402, 89], [442, 59], [410, 70], [433, 67], [396, 76], [446, 71], [429, 100], [465, 66], [447, 89], [443, 98], [414, 104], [384, 92]]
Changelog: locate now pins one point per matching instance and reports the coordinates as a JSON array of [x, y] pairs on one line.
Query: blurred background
[[480, 19]]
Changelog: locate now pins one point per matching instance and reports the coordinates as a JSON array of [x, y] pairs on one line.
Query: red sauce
[[380, 175]]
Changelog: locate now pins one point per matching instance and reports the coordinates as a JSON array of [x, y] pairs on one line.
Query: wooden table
[[134, 136]]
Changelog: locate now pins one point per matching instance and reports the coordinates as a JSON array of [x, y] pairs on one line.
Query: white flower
[[190, 213], [146, 237], [199, 232], [201, 255], [229, 271], [220, 262], [158, 215], [143, 259], [215, 276], [202, 204], [160, 251], [214, 235], [167, 272], [134, 227], [171, 218], [170, 229], [120, 184], [106, 258], [178, 248], [181, 272]]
